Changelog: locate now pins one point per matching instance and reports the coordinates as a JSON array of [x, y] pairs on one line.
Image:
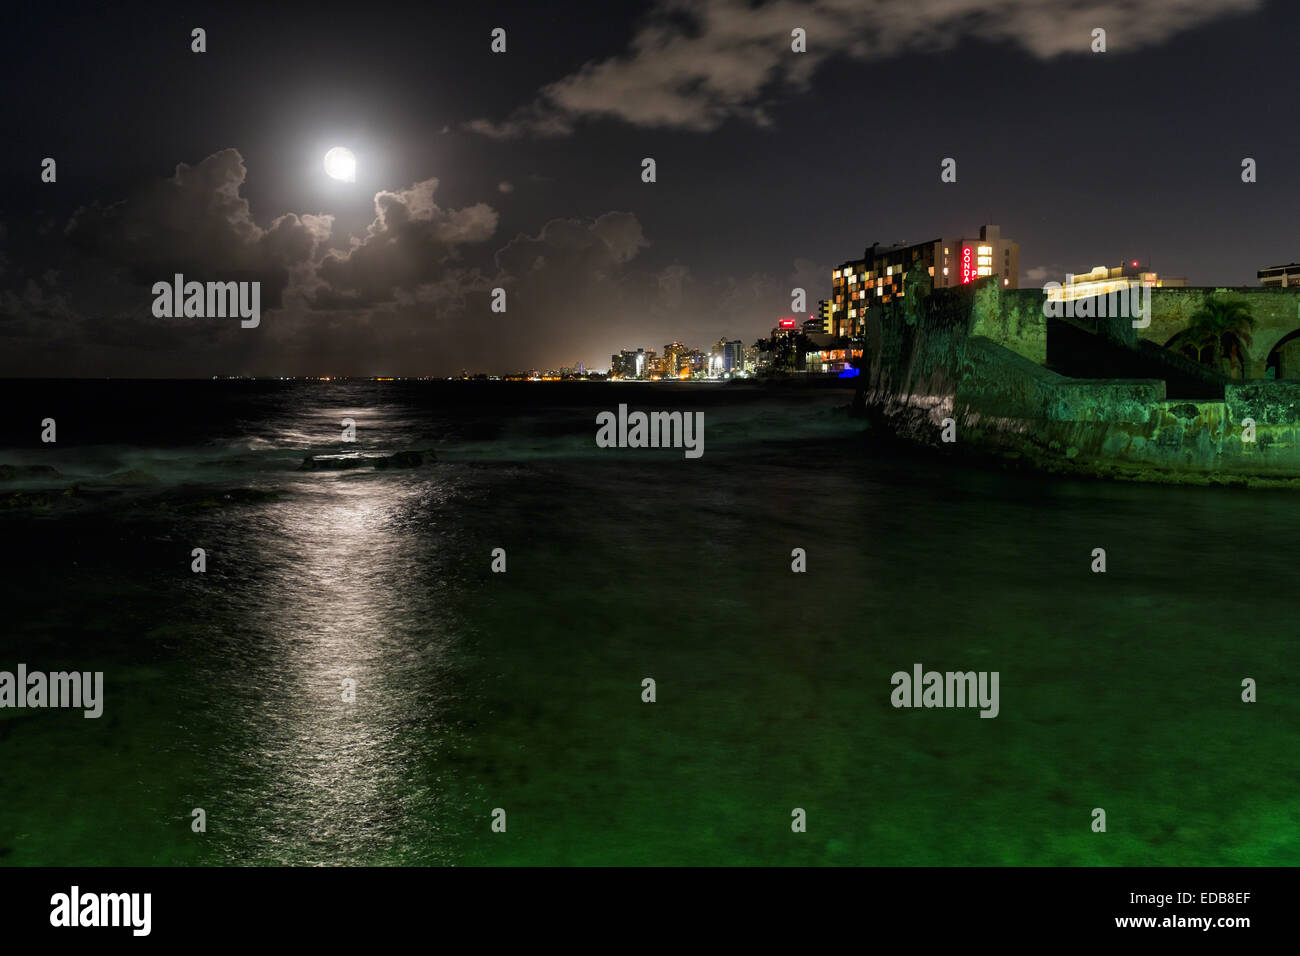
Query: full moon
[[341, 164]]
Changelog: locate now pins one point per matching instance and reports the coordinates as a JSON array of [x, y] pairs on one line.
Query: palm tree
[[1213, 321]]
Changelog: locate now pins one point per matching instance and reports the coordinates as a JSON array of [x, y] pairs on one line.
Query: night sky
[[523, 170]]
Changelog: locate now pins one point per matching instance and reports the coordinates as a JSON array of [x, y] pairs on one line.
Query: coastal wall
[[1276, 312], [975, 355], [1014, 318]]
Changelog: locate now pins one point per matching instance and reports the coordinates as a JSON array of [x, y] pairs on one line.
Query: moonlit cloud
[[410, 248], [197, 222], [694, 64], [401, 293]]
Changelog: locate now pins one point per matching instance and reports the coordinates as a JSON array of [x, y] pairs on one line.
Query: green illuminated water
[[523, 690]]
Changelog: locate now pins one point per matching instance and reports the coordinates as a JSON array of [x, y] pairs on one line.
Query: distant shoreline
[[792, 380]]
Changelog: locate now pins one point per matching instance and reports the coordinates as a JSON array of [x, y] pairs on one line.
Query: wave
[[267, 451]]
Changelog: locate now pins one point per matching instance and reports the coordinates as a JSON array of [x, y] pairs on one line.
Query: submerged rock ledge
[[402, 459]]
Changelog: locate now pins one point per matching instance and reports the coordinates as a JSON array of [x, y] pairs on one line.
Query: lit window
[[836, 274], [931, 270], [984, 271], [985, 250], [889, 271], [945, 270]]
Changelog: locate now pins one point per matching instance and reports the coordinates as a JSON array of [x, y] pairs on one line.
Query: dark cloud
[[578, 290], [197, 223], [696, 63]]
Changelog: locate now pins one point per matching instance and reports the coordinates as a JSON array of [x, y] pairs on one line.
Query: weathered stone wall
[[1013, 318], [1072, 351], [1276, 311], [940, 361]]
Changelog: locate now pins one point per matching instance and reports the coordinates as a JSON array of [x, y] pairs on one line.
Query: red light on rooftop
[[1135, 262], [787, 323]]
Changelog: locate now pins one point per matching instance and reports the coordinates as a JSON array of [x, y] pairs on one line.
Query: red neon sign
[[787, 323], [967, 264]]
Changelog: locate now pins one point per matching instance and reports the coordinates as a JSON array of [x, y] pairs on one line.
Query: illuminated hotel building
[[673, 353], [1103, 280], [877, 277], [1283, 277]]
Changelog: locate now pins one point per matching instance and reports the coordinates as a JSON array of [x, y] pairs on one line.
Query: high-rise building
[[715, 358], [673, 353], [733, 359], [877, 277], [623, 365]]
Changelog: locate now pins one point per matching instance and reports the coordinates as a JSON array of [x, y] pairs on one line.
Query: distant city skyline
[[457, 171]]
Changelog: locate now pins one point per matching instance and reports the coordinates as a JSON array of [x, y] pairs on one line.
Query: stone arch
[[1284, 357]]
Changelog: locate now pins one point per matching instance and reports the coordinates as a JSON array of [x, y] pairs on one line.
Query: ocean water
[[522, 691]]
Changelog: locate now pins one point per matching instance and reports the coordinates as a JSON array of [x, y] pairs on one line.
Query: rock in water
[[402, 459], [331, 463]]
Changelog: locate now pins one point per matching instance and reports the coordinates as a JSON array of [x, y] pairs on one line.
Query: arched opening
[[1284, 358]]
